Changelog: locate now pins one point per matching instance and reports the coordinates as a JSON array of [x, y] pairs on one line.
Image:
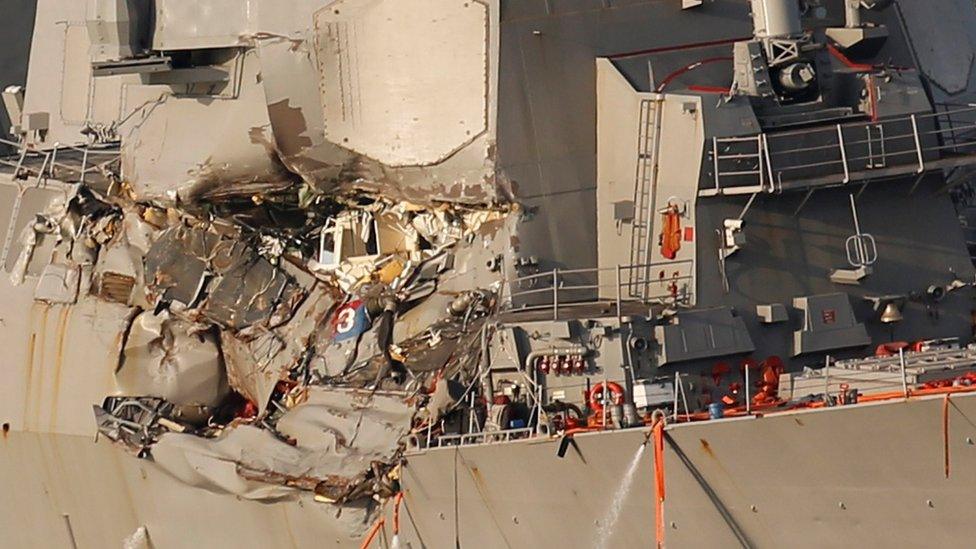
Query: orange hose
[[372, 533], [658, 431], [575, 430]]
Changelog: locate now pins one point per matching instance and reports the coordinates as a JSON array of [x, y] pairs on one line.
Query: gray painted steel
[[862, 476], [867, 475], [18, 26]]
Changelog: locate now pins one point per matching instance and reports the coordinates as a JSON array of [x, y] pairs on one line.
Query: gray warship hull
[[868, 476], [425, 273]]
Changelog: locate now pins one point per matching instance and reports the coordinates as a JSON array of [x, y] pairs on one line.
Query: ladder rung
[[751, 172], [738, 156]]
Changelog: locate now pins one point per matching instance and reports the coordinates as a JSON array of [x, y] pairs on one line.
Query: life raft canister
[[772, 369], [596, 397], [670, 238]]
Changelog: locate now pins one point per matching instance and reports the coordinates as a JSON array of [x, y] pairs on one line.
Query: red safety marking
[[709, 89]]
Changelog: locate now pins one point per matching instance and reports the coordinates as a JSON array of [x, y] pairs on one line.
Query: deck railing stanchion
[[904, 374], [84, 165], [748, 391], [918, 145], [619, 313], [555, 294], [843, 153], [677, 380], [827, 380], [718, 187]]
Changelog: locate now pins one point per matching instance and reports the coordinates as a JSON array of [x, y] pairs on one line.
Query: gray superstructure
[[312, 271]]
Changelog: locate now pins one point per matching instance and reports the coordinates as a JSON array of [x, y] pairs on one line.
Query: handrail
[[56, 160], [619, 290], [485, 437], [906, 144]]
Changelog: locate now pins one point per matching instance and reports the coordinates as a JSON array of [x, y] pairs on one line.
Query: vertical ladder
[[642, 234]]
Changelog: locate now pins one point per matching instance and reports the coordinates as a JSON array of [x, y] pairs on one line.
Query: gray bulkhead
[[546, 144], [547, 102], [15, 42]]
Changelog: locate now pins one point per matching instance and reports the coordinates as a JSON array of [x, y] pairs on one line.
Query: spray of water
[[609, 521]]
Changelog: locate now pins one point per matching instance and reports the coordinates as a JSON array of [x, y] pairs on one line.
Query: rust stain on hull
[[482, 487], [59, 362], [31, 344], [707, 448], [31, 356], [41, 343]]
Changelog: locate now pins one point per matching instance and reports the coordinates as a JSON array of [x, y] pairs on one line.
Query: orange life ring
[[595, 398]]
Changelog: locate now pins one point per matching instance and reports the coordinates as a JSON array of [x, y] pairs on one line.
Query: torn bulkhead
[[266, 361]]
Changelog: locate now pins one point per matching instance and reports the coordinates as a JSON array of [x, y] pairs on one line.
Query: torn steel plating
[[293, 294], [267, 359]]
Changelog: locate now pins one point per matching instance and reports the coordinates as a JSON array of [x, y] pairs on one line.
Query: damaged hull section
[[85, 494]]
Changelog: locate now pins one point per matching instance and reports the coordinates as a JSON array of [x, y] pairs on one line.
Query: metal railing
[[901, 372], [739, 163], [68, 163], [958, 122], [838, 154], [551, 290], [487, 437]]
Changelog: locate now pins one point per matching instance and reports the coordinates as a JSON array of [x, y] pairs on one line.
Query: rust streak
[[40, 365], [31, 343], [707, 448], [58, 363], [725, 475], [482, 487]]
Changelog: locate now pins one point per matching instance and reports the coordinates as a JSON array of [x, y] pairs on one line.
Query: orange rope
[[658, 431], [945, 433], [372, 533]]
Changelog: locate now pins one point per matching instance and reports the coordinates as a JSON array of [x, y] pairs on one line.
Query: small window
[[327, 247]]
